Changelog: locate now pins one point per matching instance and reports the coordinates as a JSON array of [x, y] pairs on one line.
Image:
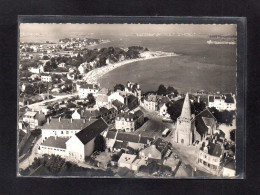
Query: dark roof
[[214, 149], [119, 105], [111, 134], [90, 113], [201, 127], [21, 135], [67, 124], [58, 142], [228, 98], [112, 110], [230, 163], [211, 98], [119, 145], [88, 86], [126, 115], [104, 110], [138, 113], [160, 144], [132, 98], [127, 137], [92, 131], [144, 140]]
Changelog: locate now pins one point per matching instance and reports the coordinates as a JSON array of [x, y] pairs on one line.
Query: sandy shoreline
[[94, 75]]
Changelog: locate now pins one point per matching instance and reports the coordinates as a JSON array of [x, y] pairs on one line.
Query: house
[[210, 157], [126, 160], [162, 107], [229, 168], [90, 113], [82, 68], [63, 127], [137, 142], [134, 89], [101, 100], [117, 96], [205, 124], [75, 115], [132, 102], [54, 145], [33, 118], [46, 78], [156, 151], [129, 121], [82, 143], [150, 102], [108, 114], [172, 162], [118, 105], [222, 102], [86, 89], [138, 163], [103, 91]]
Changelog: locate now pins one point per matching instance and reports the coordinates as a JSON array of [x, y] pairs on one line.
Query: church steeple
[[186, 110]]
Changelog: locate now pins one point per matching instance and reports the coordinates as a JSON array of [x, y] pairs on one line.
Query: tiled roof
[[103, 91], [126, 116], [120, 145], [127, 158], [104, 110], [201, 127], [92, 131], [138, 113], [151, 98], [111, 134], [160, 144], [214, 149], [89, 86], [58, 142], [127, 137], [67, 124], [102, 98], [144, 140], [30, 113], [118, 104], [90, 114], [228, 98], [208, 121]]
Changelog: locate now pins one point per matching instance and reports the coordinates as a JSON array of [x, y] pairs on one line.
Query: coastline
[[94, 75]]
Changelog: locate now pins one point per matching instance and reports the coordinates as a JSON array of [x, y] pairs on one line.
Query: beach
[[93, 75]]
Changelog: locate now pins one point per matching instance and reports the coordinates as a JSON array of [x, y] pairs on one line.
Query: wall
[[75, 149], [60, 133], [89, 147]]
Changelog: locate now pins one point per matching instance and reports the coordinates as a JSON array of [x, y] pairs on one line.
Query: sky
[[226, 29]]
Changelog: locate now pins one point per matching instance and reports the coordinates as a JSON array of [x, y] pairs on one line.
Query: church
[[190, 128]]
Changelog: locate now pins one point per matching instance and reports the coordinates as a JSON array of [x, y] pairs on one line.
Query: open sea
[[199, 66]]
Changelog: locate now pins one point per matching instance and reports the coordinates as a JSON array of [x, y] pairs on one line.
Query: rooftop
[[127, 158], [57, 142], [214, 149], [67, 124], [30, 113], [92, 131]]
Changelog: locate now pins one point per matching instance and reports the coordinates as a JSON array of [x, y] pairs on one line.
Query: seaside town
[[71, 125]]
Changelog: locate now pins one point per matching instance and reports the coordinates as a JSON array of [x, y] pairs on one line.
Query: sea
[[198, 66]]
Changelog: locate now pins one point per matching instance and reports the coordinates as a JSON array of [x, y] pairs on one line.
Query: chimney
[[59, 118], [55, 137], [84, 120], [48, 120], [71, 120]]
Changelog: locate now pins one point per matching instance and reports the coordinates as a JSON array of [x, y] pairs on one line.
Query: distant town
[[70, 125]]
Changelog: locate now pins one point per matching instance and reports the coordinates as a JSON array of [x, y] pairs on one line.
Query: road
[[38, 105], [28, 161]]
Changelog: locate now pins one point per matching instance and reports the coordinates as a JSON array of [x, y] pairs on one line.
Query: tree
[[197, 107], [223, 117], [91, 99], [119, 87], [100, 144], [161, 90], [171, 90], [174, 109]]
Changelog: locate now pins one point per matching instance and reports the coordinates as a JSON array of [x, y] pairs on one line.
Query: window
[[61, 132], [67, 132]]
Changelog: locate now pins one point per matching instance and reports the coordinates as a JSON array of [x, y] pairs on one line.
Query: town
[[70, 126]]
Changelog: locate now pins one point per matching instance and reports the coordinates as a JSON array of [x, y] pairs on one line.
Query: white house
[[46, 78], [75, 115], [86, 89], [117, 96], [63, 127], [229, 168], [54, 145], [102, 101], [82, 143], [222, 102]]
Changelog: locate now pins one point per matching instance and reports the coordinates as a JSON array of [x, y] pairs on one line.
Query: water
[[199, 66]]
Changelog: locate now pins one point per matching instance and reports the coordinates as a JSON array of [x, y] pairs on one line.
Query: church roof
[[186, 110]]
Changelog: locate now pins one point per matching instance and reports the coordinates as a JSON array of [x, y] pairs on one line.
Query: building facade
[[86, 89], [185, 124]]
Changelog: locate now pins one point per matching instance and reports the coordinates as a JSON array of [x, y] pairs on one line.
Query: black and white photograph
[[127, 100]]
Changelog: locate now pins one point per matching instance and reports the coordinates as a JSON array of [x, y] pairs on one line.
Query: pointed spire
[[186, 110]]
